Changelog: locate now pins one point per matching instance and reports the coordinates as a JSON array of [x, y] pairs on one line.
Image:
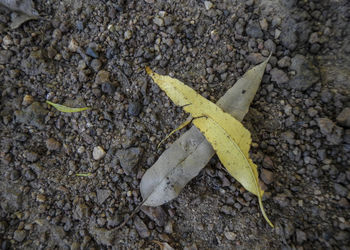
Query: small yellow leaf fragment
[[66, 109], [84, 174]]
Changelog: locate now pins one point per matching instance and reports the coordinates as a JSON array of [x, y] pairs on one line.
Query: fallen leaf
[[163, 245], [189, 154], [83, 174], [229, 138], [66, 109]]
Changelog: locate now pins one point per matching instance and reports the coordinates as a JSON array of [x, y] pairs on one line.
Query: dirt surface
[[93, 53]]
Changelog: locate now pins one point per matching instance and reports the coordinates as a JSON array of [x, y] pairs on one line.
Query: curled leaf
[[66, 109], [229, 138]]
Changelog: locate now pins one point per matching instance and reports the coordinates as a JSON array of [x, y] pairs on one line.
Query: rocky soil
[[93, 53]]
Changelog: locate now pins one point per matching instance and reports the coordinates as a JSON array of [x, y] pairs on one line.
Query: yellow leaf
[[66, 109], [230, 140]]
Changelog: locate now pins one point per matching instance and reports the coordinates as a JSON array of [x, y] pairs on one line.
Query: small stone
[[96, 64], [255, 58], [7, 40], [31, 156], [79, 25], [230, 235], [263, 24], [33, 115], [312, 112], [157, 214], [91, 52], [81, 211], [52, 144], [73, 45], [19, 235], [158, 21], [102, 195], [307, 73], [127, 34], [41, 198], [141, 228], [343, 202], [29, 175], [107, 88], [129, 158], [102, 236], [5, 56], [343, 118], [102, 77], [98, 153], [114, 220], [326, 126], [266, 176], [270, 45], [208, 5], [284, 62], [341, 190], [27, 100], [15, 175], [134, 108], [278, 76], [253, 30], [301, 236]]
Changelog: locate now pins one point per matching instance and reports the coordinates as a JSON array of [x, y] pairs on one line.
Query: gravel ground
[[93, 53]]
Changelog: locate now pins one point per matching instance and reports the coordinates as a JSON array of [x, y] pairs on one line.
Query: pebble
[[107, 88], [255, 58], [81, 211], [127, 35], [289, 34], [129, 158], [134, 108], [157, 214], [98, 153], [307, 74], [253, 30], [158, 21], [33, 115], [91, 52], [208, 5], [102, 195], [102, 76], [270, 45], [29, 175], [52, 144], [343, 118], [73, 45], [301, 236], [102, 235], [284, 62], [230, 236], [31, 156], [15, 175], [278, 76], [266, 176], [5, 56], [114, 220], [96, 64], [19, 235], [341, 190], [27, 100], [141, 227]]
